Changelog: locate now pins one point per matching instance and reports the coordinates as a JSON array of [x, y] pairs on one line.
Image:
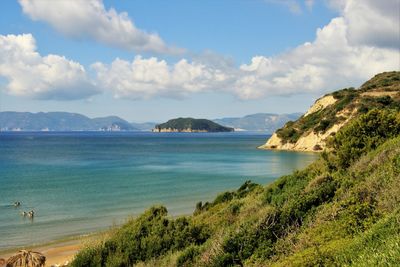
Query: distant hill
[[333, 111], [265, 122], [60, 121], [191, 125]]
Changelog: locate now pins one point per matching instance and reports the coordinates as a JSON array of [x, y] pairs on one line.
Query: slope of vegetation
[[182, 124], [342, 210], [349, 102]]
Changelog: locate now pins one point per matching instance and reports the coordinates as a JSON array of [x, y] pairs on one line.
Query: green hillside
[[190, 124], [342, 210]]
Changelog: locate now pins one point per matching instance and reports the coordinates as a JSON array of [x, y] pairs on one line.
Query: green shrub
[[150, 235], [223, 197], [89, 256], [246, 188], [364, 134], [187, 256]]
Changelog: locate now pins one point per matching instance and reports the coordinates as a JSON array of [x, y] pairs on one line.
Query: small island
[[190, 125]]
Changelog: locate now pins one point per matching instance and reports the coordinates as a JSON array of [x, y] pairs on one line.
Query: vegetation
[[342, 210], [182, 124], [387, 81], [150, 235], [349, 102]]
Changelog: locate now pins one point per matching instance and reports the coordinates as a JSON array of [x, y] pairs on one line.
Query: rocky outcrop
[[333, 111], [321, 103], [311, 142]]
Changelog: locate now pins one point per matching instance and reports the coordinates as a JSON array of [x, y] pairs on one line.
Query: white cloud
[[90, 19], [375, 23], [145, 78], [328, 63], [31, 75], [332, 61], [344, 53]]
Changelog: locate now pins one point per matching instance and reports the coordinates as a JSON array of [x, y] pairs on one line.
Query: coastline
[[62, 251], [57, 252]]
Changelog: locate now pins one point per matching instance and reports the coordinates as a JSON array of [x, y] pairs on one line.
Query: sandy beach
[[56, 253]]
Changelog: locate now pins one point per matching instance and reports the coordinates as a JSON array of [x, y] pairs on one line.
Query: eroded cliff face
[[333, 111], [321, 103], [311, 141]]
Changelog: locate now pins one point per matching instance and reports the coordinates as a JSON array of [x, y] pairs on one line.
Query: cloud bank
[[90, 19], [351, 48], [146, 78], [344, 53], [31, 75]]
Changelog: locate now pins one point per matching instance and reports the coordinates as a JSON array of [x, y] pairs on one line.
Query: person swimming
[[31, 214]]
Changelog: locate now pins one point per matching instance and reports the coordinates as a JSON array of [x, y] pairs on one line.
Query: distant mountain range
[[265, 122], [65, 121]]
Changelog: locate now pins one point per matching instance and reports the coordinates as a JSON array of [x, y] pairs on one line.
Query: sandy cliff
[[310, 141], [331, 112]]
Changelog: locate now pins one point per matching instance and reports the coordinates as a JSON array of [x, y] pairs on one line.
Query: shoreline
[[57, 252], [60, 251]]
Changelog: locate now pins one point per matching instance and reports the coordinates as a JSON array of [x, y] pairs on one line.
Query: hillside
[[264, 122], [191, 125], [332, 111], [342, 210], [60, 121]]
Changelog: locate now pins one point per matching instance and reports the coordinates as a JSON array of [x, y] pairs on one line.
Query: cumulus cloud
[[90, 19], [333, 60], [31, 75], [374, 23], [344, 53], [145, 78], [328, 63]]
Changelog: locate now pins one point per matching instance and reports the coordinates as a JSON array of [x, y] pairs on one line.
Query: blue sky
[[154, 60]]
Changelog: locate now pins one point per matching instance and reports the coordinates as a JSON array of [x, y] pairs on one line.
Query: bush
[[224, 197], [188, 255], [364, 134], [150, 235], [89, 256]]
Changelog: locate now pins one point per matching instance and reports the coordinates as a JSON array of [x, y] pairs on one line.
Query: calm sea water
[[83, 182]]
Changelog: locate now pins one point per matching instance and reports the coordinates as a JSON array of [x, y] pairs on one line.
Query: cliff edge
[[331, 112]]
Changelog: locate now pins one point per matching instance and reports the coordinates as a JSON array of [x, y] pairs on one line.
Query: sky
[[153, 60]]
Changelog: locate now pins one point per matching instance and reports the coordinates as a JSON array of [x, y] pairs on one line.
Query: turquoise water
[[78, 183]]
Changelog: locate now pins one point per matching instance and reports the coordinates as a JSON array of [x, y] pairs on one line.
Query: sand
[[56, 253]]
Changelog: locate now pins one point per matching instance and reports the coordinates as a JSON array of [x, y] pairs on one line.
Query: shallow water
[[82, 182]]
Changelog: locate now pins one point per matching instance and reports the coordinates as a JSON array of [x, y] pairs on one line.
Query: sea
[[78, 183]]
